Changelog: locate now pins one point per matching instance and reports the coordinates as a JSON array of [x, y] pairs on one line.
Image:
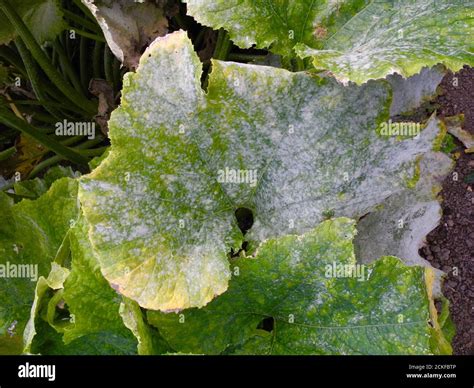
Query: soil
[[450, 246]]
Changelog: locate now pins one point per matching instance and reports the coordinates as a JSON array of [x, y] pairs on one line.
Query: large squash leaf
[[356, 40], [300, 147], [288, 300]]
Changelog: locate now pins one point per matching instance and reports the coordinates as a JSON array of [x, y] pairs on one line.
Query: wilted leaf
[[129, 26]]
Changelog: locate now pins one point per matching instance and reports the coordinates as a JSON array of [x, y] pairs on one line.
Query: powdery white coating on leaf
[[162, 222], [403, 36], [355, 40], [399, 228], [153, 195]]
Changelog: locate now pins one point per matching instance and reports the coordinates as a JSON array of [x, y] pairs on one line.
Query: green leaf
[[288, 300], [54, 281], [129, 26], [44, 18], [105, 343], [34, 188], [31, 233], [445, 321], [161, 206], [84, 304], [92, 303], [356, 40], [149, 339]]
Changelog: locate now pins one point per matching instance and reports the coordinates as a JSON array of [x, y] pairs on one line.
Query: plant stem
[[116, 75], [82, 21], [10, 56], [4, 155], [108, 59], [84, 68], [67, 67], [223, 45], [93, 152], [244, 57], [10, 120], [55, 159], [44, 164], [85, 10], [33, 75], [43, 60], [97, 60], [86, 34]]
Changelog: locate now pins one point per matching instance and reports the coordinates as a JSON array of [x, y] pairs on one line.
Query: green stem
[[93, 152], [108, 60], [33, 75], [56, 159], [239, 57], [67, 66], [38, 103], [299, 66], [82, 21], [72, 140], [97, 60], [86, 34], [14, 59], [199, 37], [44, 164], [223, 45], [84, 68], [116, 75], [10, 120], [90, 143], [85, 10], [4, 155], [43, 60]]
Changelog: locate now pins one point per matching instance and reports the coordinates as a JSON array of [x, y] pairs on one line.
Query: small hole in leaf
[[244, 218], [267, 324]]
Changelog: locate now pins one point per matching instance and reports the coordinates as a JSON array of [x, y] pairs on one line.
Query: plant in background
[[241, 208]]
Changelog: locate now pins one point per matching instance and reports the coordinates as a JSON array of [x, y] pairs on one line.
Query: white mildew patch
[[356, 41], [399, 227], [402, 36], [162, 222]]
